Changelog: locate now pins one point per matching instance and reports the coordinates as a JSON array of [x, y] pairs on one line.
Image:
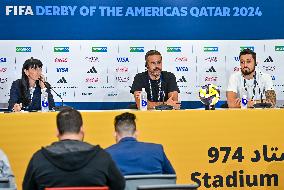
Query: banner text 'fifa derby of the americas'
[[116, 11], [239, 177]]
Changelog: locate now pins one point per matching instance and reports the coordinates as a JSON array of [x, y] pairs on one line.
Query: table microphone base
[[60, 108], [262, 105], [164, 107]]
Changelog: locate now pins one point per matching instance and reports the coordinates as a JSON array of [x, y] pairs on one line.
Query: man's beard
[[155, 73], [247, 72]]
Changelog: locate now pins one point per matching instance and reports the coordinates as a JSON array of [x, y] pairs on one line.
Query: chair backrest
[[169, 187], [133, 181], [4, 182], [77, 188]]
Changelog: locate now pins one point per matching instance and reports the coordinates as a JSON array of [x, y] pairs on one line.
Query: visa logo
[[247, 47], [3, 60], [23, 49], [99, 49], [122, 59], [61, 49], [136, 49], [279, 48], [210, 49], [173, 49], [182, 68], [62, 70]]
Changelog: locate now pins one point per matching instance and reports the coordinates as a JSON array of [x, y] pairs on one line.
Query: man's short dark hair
[[125, 123], [149, 53], [248, 51], [69, 121]]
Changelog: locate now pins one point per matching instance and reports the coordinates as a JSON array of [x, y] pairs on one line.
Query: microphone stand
[[164, 106], [56, 108], [262, 104]]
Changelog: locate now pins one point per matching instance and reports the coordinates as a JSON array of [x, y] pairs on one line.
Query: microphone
[[56, 108], [163, 106], [262, 104], [261, 96]]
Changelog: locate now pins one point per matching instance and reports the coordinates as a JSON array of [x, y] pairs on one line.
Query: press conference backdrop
[[91, 50]]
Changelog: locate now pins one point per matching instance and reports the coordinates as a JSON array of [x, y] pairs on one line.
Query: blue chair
[[7, 184], [133, 181], [78, 188], [169, 187]]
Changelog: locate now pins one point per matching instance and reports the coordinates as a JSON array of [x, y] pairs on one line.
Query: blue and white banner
[[141, 20], [102, 71]]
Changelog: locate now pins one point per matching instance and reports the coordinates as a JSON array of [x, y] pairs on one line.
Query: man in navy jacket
[[133, 157]]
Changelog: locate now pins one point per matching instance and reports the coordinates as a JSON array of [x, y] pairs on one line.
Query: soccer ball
[[209, 94]]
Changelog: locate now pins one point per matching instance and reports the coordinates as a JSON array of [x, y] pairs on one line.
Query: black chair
[[7, 184], [133, 181], [169, 187], [4, 183], [4, 107], [78, 188]]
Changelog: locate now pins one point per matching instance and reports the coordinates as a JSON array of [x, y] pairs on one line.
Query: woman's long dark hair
[[25, 86]]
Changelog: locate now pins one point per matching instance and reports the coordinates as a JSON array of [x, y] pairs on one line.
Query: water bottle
[[44, 101], [244, 102], [143, 100]]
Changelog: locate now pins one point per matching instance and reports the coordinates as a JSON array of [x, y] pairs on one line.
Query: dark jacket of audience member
[[70, 162]]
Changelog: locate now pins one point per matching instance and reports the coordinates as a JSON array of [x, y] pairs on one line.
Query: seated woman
[[25, 93]]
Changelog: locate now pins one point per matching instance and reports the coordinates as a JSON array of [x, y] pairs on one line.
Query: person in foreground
[[161, 86], [256, 84], [5, 170], [70, 162], [25, 93], [133, 157]]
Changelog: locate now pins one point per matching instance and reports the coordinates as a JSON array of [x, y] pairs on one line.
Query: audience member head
[[125, 126], [70, 124]]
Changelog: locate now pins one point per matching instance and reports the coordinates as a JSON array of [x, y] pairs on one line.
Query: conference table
[[219, 149]]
